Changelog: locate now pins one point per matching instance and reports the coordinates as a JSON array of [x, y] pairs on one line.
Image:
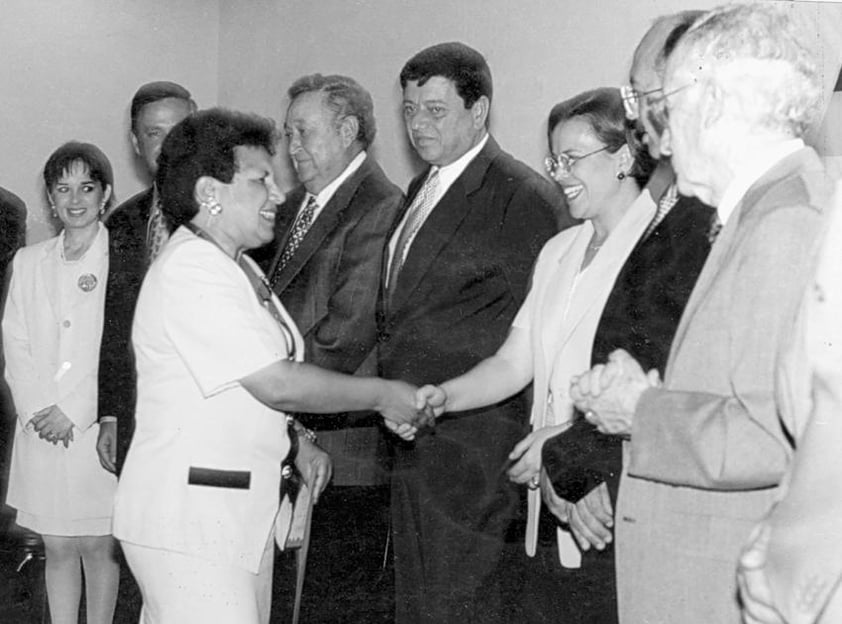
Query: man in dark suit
[[459, 262], [136, 232], [325, 267]]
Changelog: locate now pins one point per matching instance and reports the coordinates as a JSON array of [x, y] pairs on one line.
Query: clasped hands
[[52, 425], [608, 394], [406, 409]]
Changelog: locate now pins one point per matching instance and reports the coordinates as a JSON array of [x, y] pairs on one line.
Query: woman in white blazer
[[51, 333], [219, 362], [595, 158]]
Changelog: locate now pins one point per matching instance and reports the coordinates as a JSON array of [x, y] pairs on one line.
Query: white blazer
[[51, 335], [203, 470], [562, 312]]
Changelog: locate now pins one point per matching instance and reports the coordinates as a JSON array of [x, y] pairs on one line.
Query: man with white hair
[[706, 450]]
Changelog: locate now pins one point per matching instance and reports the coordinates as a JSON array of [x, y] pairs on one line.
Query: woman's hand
[[53, 425], [400, 405], [315, 467], [526, 456], [434, 398]]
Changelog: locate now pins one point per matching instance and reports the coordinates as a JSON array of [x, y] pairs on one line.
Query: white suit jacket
[[561, 312]]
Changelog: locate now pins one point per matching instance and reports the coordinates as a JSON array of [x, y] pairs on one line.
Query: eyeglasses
[[631, 100], [562, 165], [658, 105]]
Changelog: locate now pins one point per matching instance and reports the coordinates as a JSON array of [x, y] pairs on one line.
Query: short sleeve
[[213, 318]]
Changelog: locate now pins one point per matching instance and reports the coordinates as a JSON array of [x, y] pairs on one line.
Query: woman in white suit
[[219, 362], [595, 158], [51, 332]]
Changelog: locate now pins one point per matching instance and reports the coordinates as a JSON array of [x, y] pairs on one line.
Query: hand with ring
[[534, 483]]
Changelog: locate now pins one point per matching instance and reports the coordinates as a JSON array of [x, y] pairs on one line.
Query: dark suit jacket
[[640, 316], [463, 280], [127, 264], [329, 287], [12, 238]]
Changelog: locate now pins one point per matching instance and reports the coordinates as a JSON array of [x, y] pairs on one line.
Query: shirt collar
[[325, 195], [757, 163], [449, 173]]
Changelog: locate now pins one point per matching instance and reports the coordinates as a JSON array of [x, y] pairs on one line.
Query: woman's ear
[[625, 159], [205, 190], [106, 196]]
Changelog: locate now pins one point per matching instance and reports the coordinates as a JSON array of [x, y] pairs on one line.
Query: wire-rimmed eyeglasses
[[562, 165], [657, 104]]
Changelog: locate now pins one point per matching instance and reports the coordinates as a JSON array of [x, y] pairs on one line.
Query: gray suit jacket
[[804, 558], [707, 449]]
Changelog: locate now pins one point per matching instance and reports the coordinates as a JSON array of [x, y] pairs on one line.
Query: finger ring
[[590, 415], [533, 483]]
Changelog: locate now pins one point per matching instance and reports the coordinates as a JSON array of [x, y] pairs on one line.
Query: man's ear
[[479, 111], [135, 143], [712, 103], [349, 127]]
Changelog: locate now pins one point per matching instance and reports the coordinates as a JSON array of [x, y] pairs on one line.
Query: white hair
[[759, 55]]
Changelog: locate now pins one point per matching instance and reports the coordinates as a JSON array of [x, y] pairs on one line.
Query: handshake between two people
[[408, 409]]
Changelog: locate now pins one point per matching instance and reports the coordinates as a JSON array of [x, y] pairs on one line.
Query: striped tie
[[418, 212]]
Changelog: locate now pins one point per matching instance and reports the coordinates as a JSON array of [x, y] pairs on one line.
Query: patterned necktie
[[156, 230], [715, 227], [668, 201], [299, 230], [418, 212]]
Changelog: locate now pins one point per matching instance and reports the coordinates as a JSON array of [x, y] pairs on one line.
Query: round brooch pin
[[87, 282]]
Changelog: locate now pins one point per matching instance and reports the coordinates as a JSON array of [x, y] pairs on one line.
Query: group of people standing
[[604, 367]]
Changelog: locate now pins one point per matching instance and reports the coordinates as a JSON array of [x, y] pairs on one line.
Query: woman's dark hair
[[62, 160], [603, 110], [203, 145]]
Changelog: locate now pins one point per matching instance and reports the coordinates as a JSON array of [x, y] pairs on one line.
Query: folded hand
[[608, 393], [53, 425]]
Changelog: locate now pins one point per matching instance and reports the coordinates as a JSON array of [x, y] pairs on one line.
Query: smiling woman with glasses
[[597, 161]]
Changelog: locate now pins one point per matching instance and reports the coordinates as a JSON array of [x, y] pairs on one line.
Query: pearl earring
[[621, 176]]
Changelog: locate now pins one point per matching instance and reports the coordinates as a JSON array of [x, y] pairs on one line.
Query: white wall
[[540, 52], [68, 70]]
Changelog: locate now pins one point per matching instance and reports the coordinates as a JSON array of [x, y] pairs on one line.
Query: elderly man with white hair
[[705, 450]]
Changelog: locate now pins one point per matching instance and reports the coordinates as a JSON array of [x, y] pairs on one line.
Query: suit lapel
[[442, 223], [326, 222], [728, 241]]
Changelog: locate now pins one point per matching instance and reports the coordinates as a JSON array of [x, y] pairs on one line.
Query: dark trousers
[[346, 579], [553, 594]]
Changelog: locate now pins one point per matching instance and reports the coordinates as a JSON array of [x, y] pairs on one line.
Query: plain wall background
[[68, 68]]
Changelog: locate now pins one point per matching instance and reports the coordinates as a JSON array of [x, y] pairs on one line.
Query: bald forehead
[[652, 43]]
